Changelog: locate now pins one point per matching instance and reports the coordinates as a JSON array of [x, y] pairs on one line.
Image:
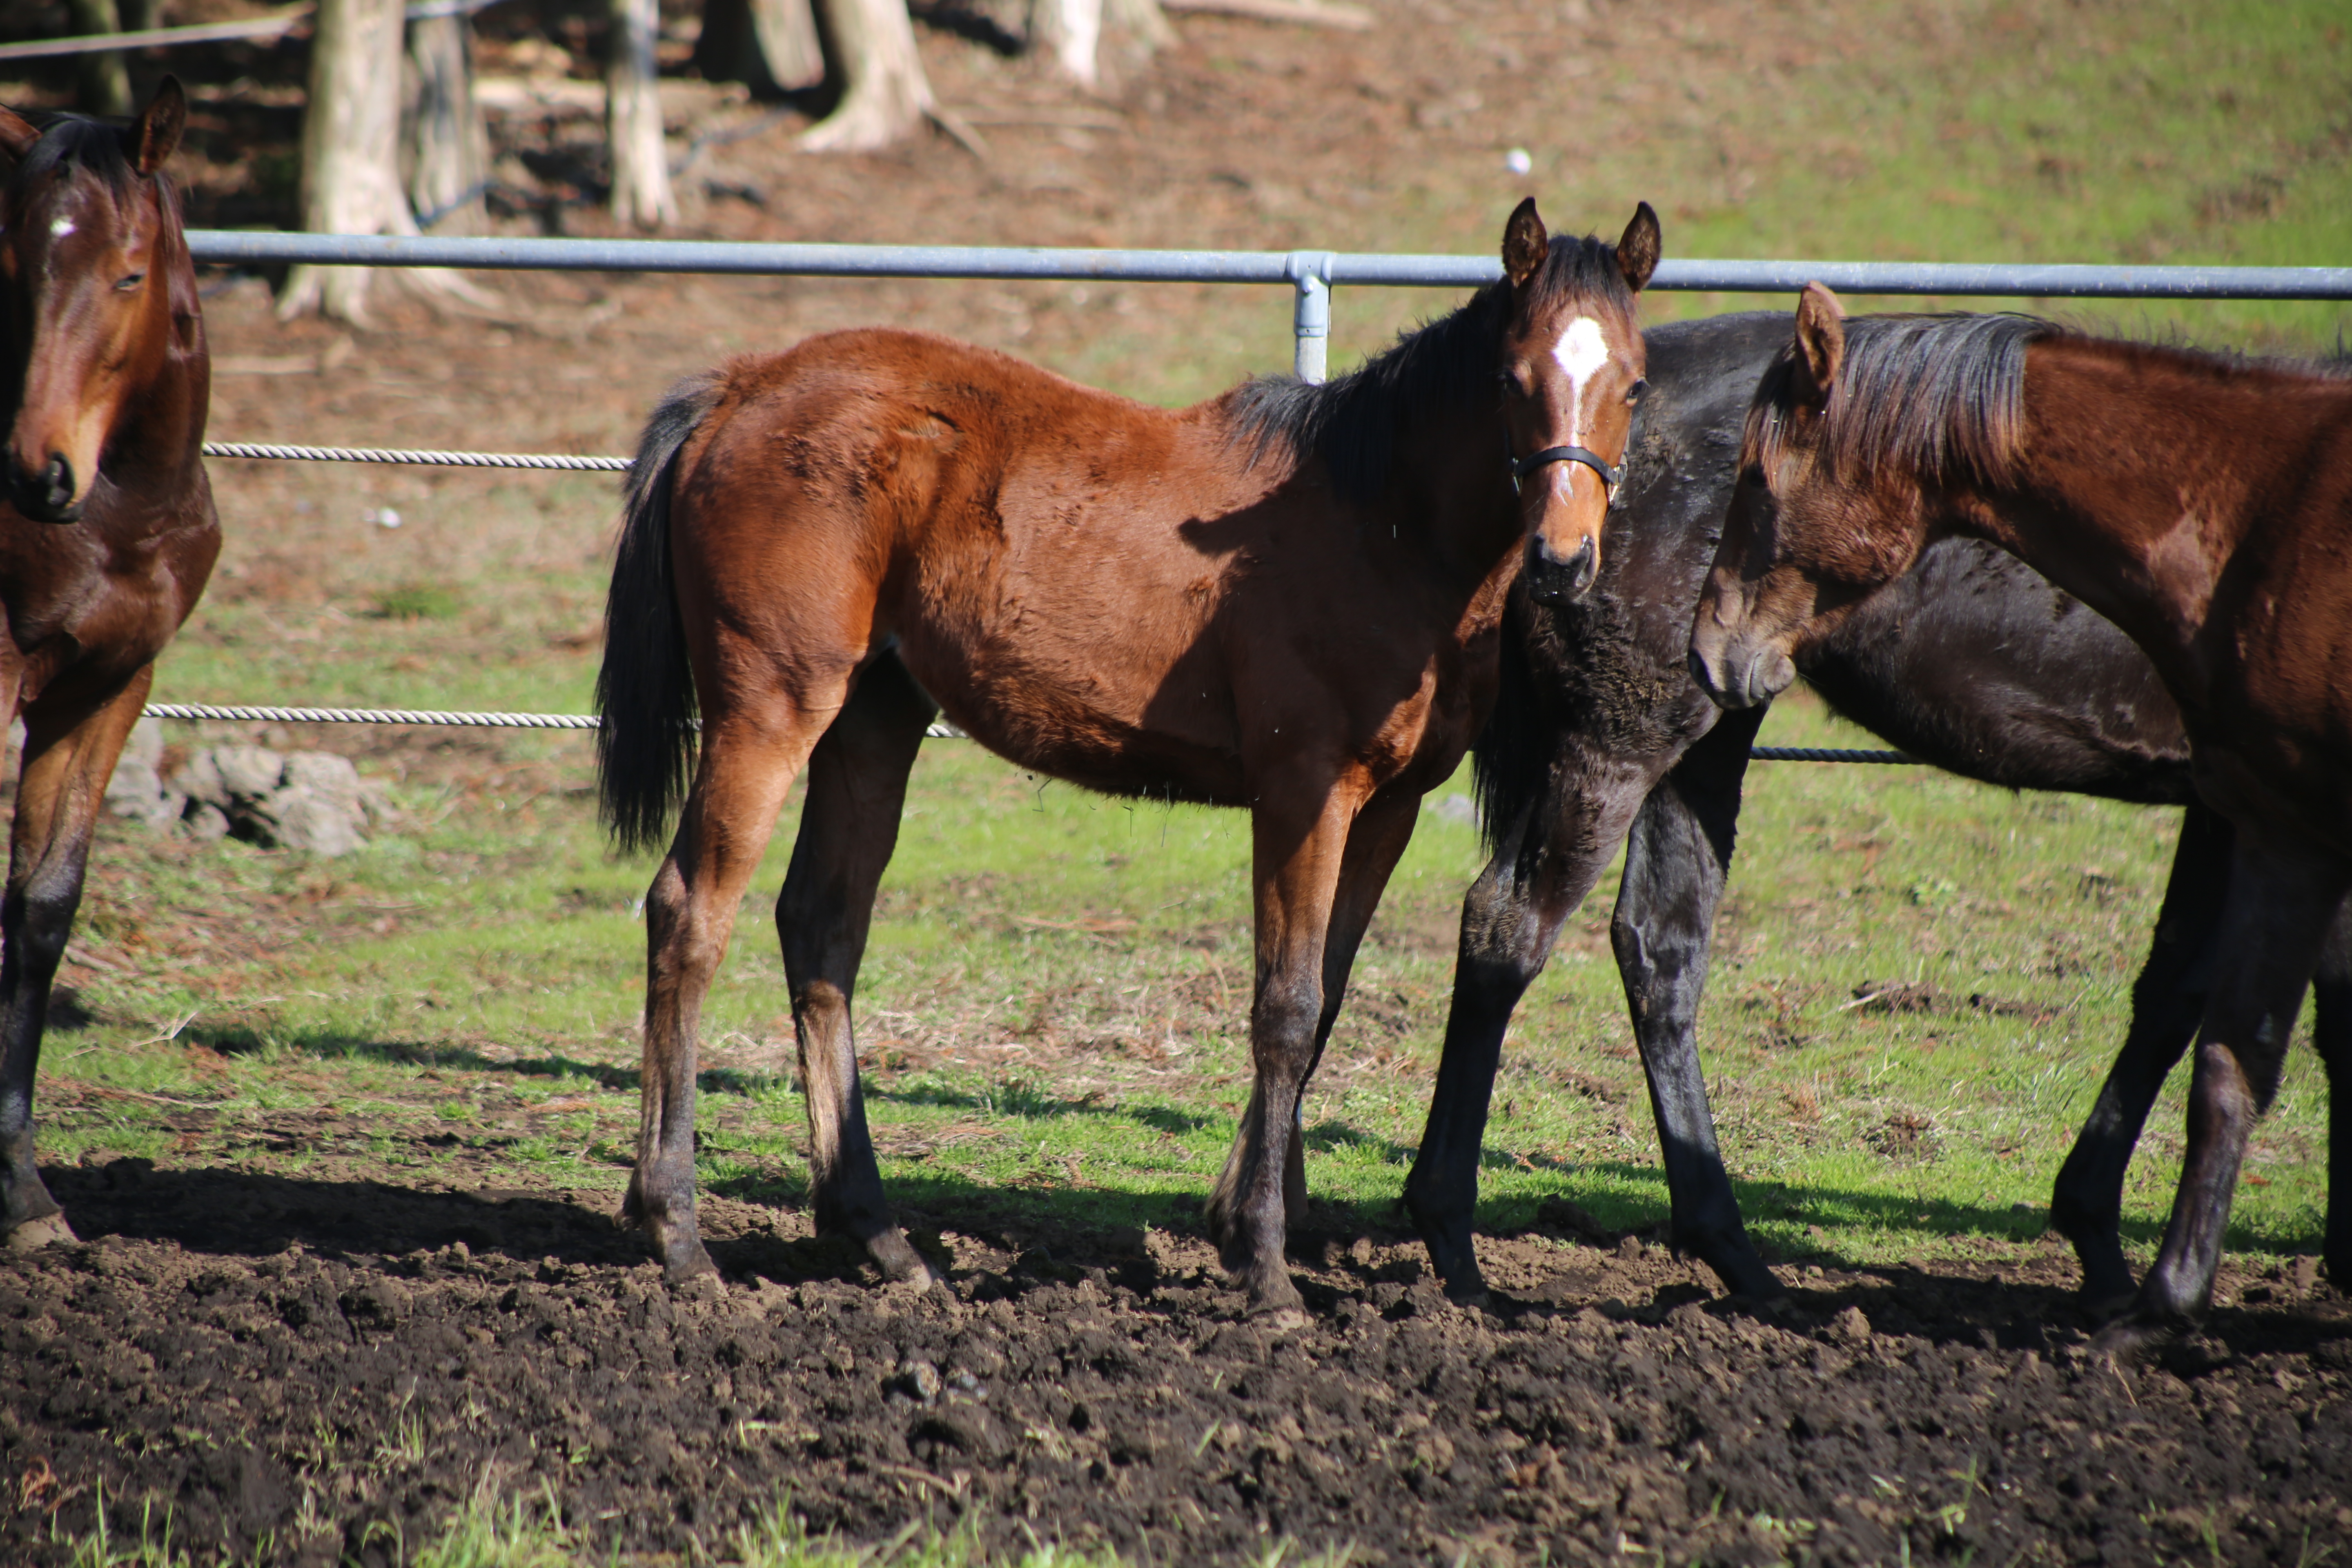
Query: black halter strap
[[1522, 466]]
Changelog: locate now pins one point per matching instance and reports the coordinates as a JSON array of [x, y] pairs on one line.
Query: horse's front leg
[[849, 824], [1676, 861], [749, 753], [2281, 901], [69, 753], [1296, 851]]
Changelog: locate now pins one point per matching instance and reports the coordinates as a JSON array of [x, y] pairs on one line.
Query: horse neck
[[2142, 473], [1453, 501]]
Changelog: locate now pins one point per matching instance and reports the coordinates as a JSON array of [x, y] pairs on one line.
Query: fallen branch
[[1307, 13]]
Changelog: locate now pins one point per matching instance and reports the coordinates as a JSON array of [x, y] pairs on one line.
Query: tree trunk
[[632, 119], [772, 46], [350, 164], [450, 145], [884, 94], [1071, 32], [103, 86], [351, 150]]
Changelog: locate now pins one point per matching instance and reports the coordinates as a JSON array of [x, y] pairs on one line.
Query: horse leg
[[1548, 860], [2281, 904], [2331, 1037], [2167, 999], [70, 755], [849, 826], [1378, 838], [1677, 859], [1297, 853], [751, 750]]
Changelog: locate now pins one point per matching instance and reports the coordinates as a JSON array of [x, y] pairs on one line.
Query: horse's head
[[89, 228], [1571, 371], [1865, 439]]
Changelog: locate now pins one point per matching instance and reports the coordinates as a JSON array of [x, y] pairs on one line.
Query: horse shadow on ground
[[1039, 1236], [1040, 1209]]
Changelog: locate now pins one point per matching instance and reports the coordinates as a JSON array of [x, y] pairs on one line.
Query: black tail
[[645, 692]]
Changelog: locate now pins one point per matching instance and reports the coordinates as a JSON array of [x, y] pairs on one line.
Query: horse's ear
[[1637, 249], [17, 133], [155, 135], [1821, 344], [1525, 244]]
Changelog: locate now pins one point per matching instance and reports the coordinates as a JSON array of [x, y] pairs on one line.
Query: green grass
[[1054, 996]]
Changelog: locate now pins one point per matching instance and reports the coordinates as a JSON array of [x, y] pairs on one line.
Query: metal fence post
[[1310, 273]]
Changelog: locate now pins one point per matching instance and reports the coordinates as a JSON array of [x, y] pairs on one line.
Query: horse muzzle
[[47, 496], [1738, 673], [1553, 580]]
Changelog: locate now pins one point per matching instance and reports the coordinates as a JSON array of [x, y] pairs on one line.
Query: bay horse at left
[[107, 536], [1284, 599]]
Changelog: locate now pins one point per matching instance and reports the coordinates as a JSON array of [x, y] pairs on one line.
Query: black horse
[[1973, 662]]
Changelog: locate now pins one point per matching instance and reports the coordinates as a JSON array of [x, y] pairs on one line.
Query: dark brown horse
[[107, 537], [1284, 599], [2203, 505], [1599, 738]]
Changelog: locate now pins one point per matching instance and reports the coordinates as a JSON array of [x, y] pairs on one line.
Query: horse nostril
[[1583, 566], [57, 477]]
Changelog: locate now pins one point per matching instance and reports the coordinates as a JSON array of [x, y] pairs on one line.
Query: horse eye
[[126, 285], [1633, 393]]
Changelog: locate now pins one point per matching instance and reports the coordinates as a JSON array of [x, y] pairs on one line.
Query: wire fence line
[[939, 730], [556, 460]]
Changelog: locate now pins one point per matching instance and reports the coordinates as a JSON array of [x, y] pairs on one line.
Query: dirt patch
[[288, 1365]]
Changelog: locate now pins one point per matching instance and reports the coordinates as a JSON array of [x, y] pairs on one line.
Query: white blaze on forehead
[[1582, 352], [62, 227]]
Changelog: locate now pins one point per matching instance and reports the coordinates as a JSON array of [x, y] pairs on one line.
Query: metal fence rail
[[1311, 274]]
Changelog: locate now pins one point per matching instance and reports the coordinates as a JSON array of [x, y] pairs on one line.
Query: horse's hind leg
[[2331, 1035], [68, 756], [1375, 841], [2283, 901], [750, 748], [2167, 999], [856, 789]]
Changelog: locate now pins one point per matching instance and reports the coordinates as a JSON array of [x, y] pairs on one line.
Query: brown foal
[[1284, 599], [2203, 504], [106, 540]]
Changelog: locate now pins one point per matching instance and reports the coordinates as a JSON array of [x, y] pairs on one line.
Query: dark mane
[[1352, 422], [71, 140], [1941, 396]]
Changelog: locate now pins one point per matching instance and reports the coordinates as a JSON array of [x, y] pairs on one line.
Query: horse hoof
[[1469, 1292], [700, 1287], [49, 1230], [900, 1264], [1273, 1300], [2129, 1338], [687, 1263]]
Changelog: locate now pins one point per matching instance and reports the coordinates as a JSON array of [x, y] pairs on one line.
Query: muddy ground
[[304, 1370]]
